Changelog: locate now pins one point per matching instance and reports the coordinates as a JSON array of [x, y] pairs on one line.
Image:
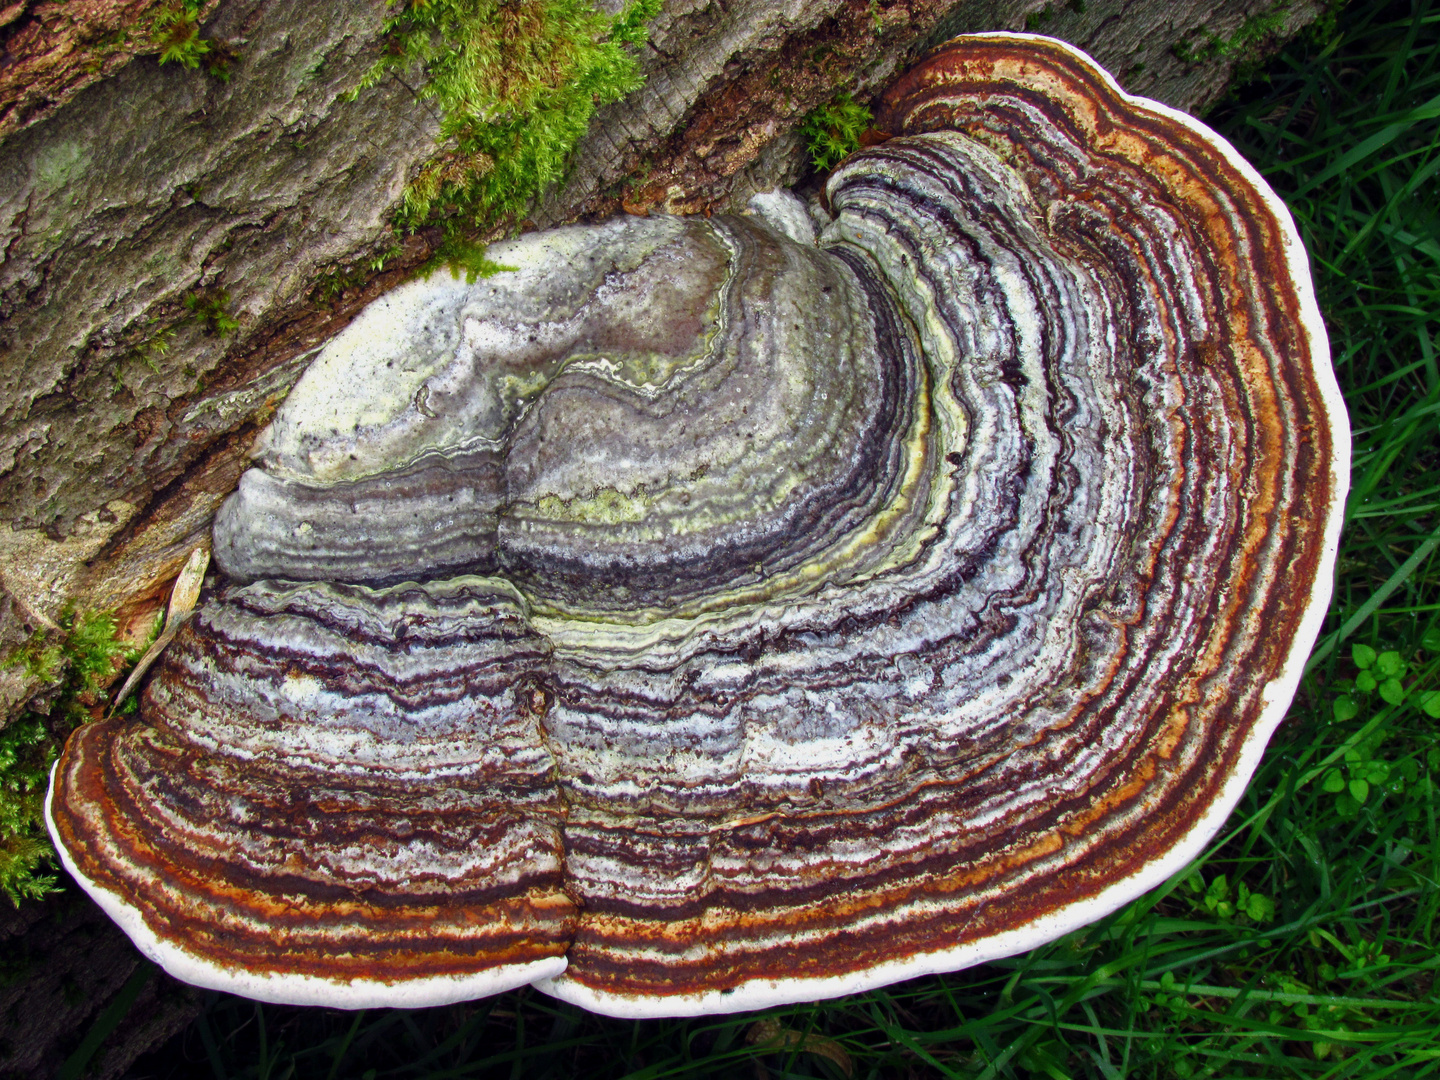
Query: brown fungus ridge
[[837, 611]]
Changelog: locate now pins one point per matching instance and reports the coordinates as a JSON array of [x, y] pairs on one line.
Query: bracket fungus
[[709, 613]]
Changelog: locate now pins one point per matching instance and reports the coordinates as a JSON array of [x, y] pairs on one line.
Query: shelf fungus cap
[[705, 614]]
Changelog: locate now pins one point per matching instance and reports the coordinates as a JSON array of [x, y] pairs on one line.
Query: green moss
[[38, 658], [26, 751], [145, 351], [1244, 42], [337, 281], [517, 82], [210, 308], [175, 31], [90, 657], [832, 132], [461, 256], [333, 284], [1037, 19]]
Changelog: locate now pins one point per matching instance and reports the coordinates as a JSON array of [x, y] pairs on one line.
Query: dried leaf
[[187, 586], [182, 605]]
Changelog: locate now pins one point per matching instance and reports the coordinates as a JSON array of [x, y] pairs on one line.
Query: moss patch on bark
[[517, 82]]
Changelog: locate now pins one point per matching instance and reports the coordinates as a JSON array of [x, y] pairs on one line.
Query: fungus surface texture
[[708, 613]]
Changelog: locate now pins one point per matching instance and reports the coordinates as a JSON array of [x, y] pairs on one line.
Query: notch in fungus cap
[[703, 616]]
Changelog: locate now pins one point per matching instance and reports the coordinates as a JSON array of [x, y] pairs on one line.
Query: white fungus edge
[[290, 988]]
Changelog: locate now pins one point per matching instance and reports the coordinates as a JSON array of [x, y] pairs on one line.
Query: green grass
[[1304, 943]]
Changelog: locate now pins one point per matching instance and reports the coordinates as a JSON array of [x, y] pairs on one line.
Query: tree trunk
[[128, 187]]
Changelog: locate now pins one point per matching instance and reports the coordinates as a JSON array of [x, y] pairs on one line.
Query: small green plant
[[1297, 1006], [90, 657], [1363, 777], [1218, 898], [210, 308], [175, 31], [1380, 673], [1168, 995], [832, 132]]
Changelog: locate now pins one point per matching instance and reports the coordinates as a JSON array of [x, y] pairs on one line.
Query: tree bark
[[127, 187]]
